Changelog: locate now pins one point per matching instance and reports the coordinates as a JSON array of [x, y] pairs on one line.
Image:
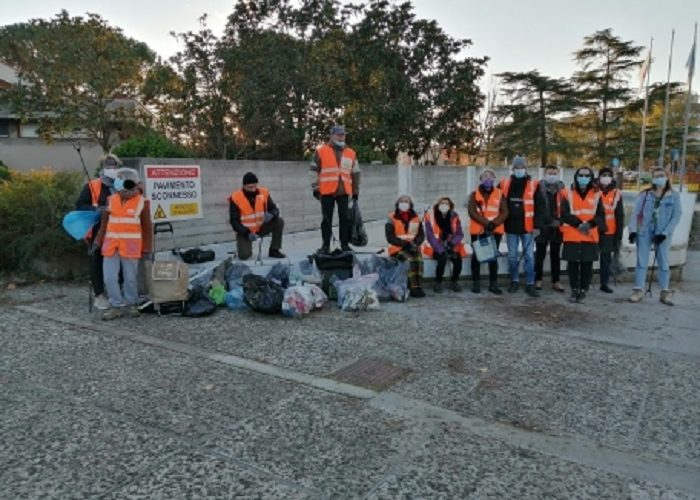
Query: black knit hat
[[250, 178]]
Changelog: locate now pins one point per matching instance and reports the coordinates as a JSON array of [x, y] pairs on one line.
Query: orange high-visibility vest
[[454, 222], [331, 173], [95, 186], [403, 233], [251, 217], [489, 209], [610, 201], [584, 209], [528, 201], [124, 227]]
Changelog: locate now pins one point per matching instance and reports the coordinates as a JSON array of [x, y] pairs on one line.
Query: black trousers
[[96, 276], [441, 260], [554, 259], [605, 262], [244, 247], [327, 207], [580, 274], [493, 266]]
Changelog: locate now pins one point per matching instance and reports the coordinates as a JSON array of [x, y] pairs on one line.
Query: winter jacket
[[455, 238], [235, 215], [584, 251], [547, 212], [611, 242], [668, 214]]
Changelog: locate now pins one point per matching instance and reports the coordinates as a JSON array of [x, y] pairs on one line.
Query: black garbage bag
[[279, 274], [262, 295], [199, 303], [235, 274], [195, 255], [358, 235], [337, 264]]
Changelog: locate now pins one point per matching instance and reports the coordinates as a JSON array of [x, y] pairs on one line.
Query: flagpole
[[662, 153], [644, 118], [688, 101]]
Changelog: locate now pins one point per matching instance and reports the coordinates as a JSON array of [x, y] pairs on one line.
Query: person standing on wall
[[614, 222], [583, 220], [94, 197], [488, 210], [550, 192], [253, 214], [335, 177], [656, 215], [519, 191]]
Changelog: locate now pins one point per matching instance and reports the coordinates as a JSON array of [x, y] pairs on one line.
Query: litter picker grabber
[[258, 260], [77, 147], [648, 292]]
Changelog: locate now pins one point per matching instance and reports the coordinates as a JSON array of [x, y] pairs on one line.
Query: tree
[[76, 73], [606, 62], [535, 101]]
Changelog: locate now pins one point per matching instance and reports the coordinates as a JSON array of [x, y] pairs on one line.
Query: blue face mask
[[519, 173], [659, 181], [551, 179], [340, 144], [119, 184], [583, 181]]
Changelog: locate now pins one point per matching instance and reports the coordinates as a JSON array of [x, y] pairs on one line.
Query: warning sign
[[175, 191]]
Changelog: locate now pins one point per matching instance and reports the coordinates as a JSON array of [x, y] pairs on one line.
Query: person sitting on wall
[[404, 233], [253, 215]]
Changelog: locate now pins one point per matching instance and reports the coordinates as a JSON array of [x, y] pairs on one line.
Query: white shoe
[[101, 302], [637, 295]]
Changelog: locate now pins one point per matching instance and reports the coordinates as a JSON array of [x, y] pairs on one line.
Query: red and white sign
[[175, 192]]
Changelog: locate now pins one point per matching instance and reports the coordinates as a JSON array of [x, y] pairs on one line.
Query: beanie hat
[[487, 171], [250, 178], [519, 162]]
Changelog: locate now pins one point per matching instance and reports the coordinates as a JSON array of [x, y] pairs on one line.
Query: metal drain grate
[[371, 373]]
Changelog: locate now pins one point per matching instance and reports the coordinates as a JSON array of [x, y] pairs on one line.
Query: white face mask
[[404, 206], [110, 173], [340, 144], [605, 181], [444, 208]]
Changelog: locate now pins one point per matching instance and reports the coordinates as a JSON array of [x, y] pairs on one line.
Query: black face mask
[[250, 193]]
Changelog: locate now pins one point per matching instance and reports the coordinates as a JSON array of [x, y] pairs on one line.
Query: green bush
[[367, 155], [152, 145], [4, 172], [32, 206]]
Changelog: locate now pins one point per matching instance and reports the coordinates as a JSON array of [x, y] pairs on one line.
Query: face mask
[[519, 173], [583, 181], [444, 208], [487, 184], [551, 179], [659, 181], [251, 192], [340, 144], [110, 173], [404, 206], [605, 181], [119, 184]]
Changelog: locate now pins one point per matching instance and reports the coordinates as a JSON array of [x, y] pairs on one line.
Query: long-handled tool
[[648, 292], [258, 260], [77, 147]]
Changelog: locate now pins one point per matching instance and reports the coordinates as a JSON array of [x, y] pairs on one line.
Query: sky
[[517, 35]]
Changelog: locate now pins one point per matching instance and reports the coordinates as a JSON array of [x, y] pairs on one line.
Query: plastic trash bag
[[279, 274], [357, 293], [234, 275], [199, 304], [217, 293], [358, 235], [233, 299], [392, 283], [304, 271], [300, 300], [262, 295], [79, 222]]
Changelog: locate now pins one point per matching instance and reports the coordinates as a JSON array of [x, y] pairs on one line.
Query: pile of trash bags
[[357, 293], [392, 277]]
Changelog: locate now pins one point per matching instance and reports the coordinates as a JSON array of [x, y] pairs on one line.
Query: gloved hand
[[632, 238], [584, 227], [355, 196], [94, 247], [555, 223], [267, 217], [409, 246], [449, 246], [317, 194], [659, 239], [490, 227], [536, 233], [252, 236]]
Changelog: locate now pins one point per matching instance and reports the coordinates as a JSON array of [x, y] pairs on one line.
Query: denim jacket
[[667, 217]]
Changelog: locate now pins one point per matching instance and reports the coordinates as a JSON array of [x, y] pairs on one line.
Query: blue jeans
[[513, 240], [644, 246]]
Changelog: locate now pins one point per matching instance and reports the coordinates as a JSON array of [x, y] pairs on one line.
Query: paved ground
[[502, 398]]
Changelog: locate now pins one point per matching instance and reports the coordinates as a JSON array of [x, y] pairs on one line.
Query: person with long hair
[[444, 240], [614, 220], [656, 214], [583, 220]]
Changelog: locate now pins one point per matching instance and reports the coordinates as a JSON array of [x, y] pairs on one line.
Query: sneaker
[[581, 295], [606, 289], [417, 293], [437, 287], [557, 287], [574, 296], [493, 288], [100, 302], [476, 287], [455, 286], [133, 312], [666, 297], [637, 295], [113, 313], [514, 286], [538, 285], [531, 291], [276, 254]]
